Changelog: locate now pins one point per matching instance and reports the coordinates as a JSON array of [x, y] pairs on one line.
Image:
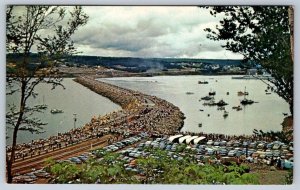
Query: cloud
[[148, 32]]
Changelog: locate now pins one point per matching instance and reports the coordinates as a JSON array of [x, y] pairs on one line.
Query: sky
[[149, 31]]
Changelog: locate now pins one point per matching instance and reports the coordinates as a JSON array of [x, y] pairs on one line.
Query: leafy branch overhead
[[46, 31], [262, 34]]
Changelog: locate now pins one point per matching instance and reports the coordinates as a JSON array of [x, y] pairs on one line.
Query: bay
[[75, 99], [265, 115]]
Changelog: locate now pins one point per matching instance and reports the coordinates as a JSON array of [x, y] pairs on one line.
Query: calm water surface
[[74, 99], [265, 115]]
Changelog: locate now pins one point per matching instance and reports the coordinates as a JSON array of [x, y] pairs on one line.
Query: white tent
[[197, 140], [190, 139], [172, 138], [182, 139]]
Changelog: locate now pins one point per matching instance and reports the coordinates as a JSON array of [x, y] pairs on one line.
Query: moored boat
[[206, 98], [225, 113], [221, 103], [202, 82], [246, 101], [56, 111], [189, 93]]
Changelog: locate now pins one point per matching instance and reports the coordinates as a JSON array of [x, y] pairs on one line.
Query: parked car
[[217, 143], [270, 145], [210, 142], [232, 153], [269, 153], [252, 145], [75, 160], [276, 145], [210, 151], [236, 144], [223, 143], [288, 164], [223, 152], [276, 153], [261, 145]]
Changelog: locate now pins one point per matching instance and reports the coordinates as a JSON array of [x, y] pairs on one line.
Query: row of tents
[[186, 139]]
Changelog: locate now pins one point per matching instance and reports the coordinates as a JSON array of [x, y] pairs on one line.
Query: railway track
[[37, 162]]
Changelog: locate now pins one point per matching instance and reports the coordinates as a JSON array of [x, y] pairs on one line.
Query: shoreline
[[141, 112]]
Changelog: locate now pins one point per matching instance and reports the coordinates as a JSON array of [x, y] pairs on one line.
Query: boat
[[246, 101], [43, 106], [56, 111], [225, 113], [268, 93], [206, 98], [200, 125], [221, 103], [189, 93], [201, 110], [212, 93], [240, 93], [245, 93], [237, 108], [221, 108], [210, 103], [227, 93], [202, 82]]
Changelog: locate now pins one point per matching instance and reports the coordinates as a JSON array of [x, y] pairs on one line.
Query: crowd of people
[[140, 113]]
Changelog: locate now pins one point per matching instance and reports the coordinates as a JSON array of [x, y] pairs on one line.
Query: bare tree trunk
[[11, 160]]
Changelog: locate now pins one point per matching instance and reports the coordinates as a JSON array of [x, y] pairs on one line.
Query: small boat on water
[[189, 93], [246, 101], [221, 108], [245, 93], [240, 93], [202, 82], [53, 111], [227, 93], [225, 114], [200, 125], [268, 93], [44, 106], [212, 93], [210, 103], [221, 103], [237, 108], [206, 98]]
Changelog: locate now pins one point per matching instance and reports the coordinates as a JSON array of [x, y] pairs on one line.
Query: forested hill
[[138, 64]]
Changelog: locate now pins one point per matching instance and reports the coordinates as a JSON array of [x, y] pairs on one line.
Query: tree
[[47, 30], [156, 168], [262, 34]]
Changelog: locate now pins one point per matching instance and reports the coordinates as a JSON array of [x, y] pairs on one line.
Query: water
[[265, 115], [74, 99]]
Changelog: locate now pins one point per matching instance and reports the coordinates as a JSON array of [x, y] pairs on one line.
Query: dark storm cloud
[[147, 32]]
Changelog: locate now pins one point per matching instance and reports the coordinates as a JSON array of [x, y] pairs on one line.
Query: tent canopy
[[197, 140], [172, 138], [190, 139], [182, 139]]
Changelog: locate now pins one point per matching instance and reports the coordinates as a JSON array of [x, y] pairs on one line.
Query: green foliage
[[47, 30], [261, 34], [289, 177], [158, 168]]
